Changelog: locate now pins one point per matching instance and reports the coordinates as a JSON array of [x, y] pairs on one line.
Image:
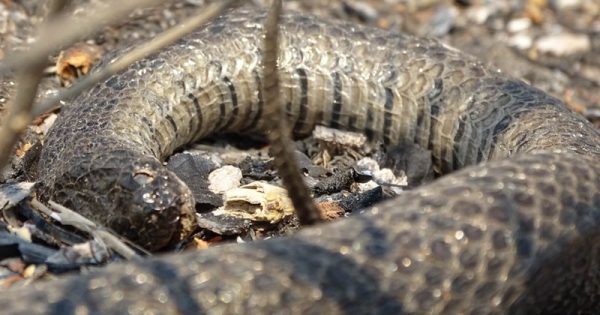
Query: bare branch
[[282, 146]]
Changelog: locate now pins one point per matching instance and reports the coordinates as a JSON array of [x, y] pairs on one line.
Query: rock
[[565, 4], [518, 25], [442, 21], [563, 44], [224, 179], [367, 166], [478, 14], [521, 41], [361, 9]]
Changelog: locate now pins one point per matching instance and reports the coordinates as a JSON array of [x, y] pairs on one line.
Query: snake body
[[517, 231]]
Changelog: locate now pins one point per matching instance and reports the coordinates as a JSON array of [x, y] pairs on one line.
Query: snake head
[[157, 207], [133, 195]]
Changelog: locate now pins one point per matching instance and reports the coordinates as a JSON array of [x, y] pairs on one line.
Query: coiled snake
[[518, 233]]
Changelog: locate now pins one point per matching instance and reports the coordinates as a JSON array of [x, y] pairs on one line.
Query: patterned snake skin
[[517, 234]]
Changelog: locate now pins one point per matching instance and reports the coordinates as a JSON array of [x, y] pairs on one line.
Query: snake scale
[[516, 231]]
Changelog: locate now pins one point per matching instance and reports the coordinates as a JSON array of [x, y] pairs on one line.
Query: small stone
[[361, 9], [565, 4], [479, 14], [442, 21], [224, 179], [521, 41], [563, 44], [367, 166], [518, 25]]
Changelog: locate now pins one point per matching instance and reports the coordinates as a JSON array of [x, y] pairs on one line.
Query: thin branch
[[282, 147], [67, 216], [200, 17]]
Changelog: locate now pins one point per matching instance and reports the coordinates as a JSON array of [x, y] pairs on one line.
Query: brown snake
[[518, 233]]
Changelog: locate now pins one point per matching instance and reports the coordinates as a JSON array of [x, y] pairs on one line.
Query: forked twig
[[169, 36], [282, 146]]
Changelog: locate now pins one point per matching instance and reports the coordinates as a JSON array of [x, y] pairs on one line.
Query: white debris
[[257, 201], [566, 4], [12, 194], [223, 179], [362, 187], [383, 177]]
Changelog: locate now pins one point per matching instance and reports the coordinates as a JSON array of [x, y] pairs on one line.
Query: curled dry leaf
[[76, 61], [22, 149], [331, 210]]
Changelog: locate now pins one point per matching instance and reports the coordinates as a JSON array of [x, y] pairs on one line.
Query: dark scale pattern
[[517, 234]]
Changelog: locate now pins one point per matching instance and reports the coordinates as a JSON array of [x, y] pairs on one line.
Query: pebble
[[521, 41], [224, 179], [518, 25], [361, 9], [479, 14], [442, 21], [367, 166], [563, 44], [565, 4]]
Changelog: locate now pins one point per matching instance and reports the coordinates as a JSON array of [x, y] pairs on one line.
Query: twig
[[64, 30], [282, 146], [200, 17], [27, 80], [67, 216]]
